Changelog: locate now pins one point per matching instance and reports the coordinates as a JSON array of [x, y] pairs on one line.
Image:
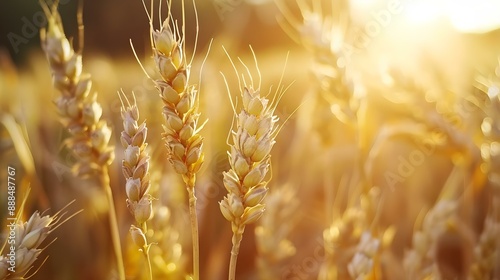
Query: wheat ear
[[418, 263], [80, 114], [79, 111], [135, 167], [274, 229], [249, 158], [29, 236], [323, 32], [362, 263], [180, 110], [167, 254]]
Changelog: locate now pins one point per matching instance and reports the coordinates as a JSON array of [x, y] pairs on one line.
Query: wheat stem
[[148, 261], [144, 229], [113, 222], [237, 237], [194, 231]]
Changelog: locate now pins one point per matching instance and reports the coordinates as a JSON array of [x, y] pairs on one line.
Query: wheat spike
[[249, 158], [29, 236], [135, 167], [80, 114], [419, 261], [180, 100], [79, 111], [362, 263], [180, 111], [274, 230], [167, 254], [323, 32]]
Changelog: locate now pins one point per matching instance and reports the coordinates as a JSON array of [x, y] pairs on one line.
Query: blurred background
[[392, 111]]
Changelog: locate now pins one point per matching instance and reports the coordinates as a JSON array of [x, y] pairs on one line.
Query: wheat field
[[250, 139]]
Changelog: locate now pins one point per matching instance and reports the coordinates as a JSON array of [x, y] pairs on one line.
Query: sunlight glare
[[363, 3], [474, 15], [423, 11]]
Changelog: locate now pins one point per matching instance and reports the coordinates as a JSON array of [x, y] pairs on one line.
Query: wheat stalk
[[80, 114], [180, 111], [249, 158], [135, 167]]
